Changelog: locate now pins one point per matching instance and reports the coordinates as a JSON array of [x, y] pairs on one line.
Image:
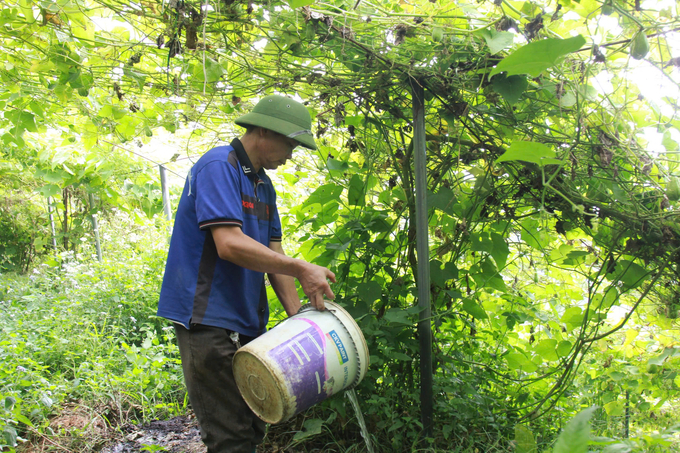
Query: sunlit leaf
[[547, 349], [615, 408], [324, 194], [533, 152], [497, 40], [537, 56]]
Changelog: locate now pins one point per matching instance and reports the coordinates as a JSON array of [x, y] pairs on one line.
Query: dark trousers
[[227, 424]]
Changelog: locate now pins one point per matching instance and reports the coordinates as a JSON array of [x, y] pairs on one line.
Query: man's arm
[[284, 286], [242, 250]]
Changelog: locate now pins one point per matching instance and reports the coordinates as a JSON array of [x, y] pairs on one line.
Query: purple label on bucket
[[302, 361]]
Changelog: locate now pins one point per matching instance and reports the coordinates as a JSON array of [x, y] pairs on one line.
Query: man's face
[[277, 150]]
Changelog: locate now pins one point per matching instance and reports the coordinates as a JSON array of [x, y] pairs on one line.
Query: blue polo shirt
[[198, 286]]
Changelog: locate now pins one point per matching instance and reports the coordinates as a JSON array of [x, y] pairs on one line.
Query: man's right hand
[[314, 282]]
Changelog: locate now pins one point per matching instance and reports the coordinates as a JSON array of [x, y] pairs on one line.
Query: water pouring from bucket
[[301, 362]]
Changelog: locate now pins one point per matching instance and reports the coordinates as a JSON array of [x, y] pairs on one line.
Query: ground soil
[[177, 435], [79, 429]]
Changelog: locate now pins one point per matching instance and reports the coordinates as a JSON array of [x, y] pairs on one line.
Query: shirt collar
[[243, 159]]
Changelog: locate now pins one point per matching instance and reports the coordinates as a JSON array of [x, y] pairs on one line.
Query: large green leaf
[[324, 194], [398, 316], [524, 440], [500, 250], [369, 291], [538, 56], [442, 200], [575, 436], [615, 408], [497, 40], [356, 194], [9, 435], [474, 309], [518, 361], [630, 274], [511, 88], [533, 152], [547, 349]]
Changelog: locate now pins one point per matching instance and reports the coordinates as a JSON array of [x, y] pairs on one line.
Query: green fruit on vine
[[652, 368], [437, 34], [673, 189], [83, 92], [640, 46], [607, 9]]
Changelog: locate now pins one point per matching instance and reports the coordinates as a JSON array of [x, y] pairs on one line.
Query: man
[[227, 234]]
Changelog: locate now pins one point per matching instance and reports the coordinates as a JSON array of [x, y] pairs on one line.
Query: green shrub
[[82, 331]]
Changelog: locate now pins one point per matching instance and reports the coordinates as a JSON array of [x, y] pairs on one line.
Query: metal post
[[54, 232], [423, 253], [95, 227], [166, 197], [626, 429]]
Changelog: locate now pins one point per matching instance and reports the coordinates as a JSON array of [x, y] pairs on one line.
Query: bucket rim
[[363, 364]]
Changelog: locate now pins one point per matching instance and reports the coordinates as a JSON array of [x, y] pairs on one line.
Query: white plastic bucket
[[301, 362]]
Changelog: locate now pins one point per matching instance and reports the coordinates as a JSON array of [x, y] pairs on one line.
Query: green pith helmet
[[283, 115]]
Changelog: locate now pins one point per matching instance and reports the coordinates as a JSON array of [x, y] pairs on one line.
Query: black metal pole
[[423, 253], [626, 432]]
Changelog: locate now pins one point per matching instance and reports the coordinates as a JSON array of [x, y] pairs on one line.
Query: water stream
[[351, 394]]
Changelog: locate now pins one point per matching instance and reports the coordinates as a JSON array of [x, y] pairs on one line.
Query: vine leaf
[[356, 193], [538, 56], [323, 194], [575, 436], [310, 428], [474, 309], [496, 40], [10, 436], [615, 408], [533, 152], [511, 88], [299, 3], [524, 440], [630, 274]]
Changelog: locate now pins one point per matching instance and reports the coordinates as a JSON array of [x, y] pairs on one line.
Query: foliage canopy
[[553, 181]]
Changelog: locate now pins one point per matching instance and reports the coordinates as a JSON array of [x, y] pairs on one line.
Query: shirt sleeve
[[275, 235], [218, 196]]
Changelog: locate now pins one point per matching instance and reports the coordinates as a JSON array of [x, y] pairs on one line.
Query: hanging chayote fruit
[[639, 47], [673, 189]]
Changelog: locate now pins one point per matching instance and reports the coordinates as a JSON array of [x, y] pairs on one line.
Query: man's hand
[[314, 282]]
